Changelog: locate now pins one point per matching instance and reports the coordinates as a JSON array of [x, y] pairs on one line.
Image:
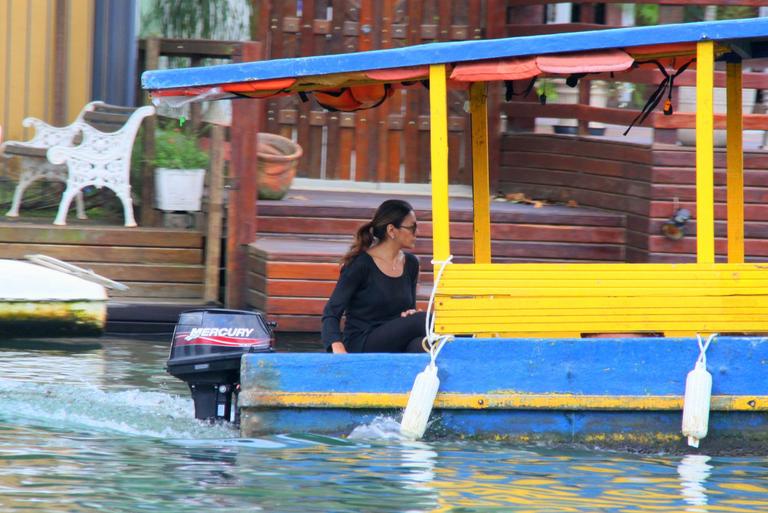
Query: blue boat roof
[[749, 36]]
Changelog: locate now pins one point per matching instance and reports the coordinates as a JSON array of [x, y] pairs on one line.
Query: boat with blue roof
[[638, 355]]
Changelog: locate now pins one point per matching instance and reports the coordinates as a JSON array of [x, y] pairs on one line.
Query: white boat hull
[[41, 302]]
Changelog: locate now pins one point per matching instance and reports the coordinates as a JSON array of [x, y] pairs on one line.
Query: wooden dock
[[163, 268]]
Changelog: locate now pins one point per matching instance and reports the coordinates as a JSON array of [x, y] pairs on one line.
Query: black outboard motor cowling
[[205, 353]]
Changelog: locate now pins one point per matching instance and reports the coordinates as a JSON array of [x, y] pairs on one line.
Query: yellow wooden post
[[79, 70], [705, 168], [478, 96], [735, 165], [438, 135]]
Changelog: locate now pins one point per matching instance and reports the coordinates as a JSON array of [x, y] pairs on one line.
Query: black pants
[[401, 335]]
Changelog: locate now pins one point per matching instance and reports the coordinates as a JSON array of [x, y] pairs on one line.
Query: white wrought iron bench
[[98, 154], [34, 164]]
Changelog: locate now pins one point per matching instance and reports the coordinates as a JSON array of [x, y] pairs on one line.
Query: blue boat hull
[[608, 392]]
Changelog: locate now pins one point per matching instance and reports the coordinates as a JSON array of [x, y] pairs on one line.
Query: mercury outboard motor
[[205, 353]]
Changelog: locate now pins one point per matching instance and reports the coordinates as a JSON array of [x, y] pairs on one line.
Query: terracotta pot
[[277, 161]]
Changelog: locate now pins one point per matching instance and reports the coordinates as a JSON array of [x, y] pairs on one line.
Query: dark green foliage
[[198, 19], [176, 149]]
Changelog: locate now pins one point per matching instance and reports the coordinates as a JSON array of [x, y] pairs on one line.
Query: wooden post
[[215, 213], [705, 153], [735, 164], [241, 210], [438, 131], [148, 215], [584, 94], [195, 108], [478, 103], [261, 10]]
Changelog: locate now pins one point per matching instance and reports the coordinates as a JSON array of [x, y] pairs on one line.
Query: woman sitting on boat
[[377, 288]]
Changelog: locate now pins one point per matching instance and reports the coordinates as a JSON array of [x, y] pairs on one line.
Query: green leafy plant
[[176, 149], [196, 19], [647, 14], [545, 87]]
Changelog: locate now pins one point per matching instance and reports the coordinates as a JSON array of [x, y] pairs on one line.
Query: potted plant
[[179, 171], [277, 158]]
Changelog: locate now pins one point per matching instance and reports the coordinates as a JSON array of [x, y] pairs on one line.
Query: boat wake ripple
[[380, 428], [85, 407]]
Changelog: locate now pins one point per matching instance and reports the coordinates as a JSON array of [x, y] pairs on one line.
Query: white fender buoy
[[424, 391], [698, 395], [420, 401]]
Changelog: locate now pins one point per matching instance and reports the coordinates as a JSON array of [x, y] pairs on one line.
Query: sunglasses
[[412, 227]]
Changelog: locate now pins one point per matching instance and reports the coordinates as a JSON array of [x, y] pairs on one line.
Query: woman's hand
[[409, 312], [338, 348]]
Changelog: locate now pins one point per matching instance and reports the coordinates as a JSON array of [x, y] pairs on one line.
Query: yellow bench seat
[[573, 300]]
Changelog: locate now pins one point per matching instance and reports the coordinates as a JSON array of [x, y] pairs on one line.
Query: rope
[[701, 361], [432, 342]]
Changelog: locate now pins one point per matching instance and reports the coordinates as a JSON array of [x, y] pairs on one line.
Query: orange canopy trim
[[661, 51], [259, 85], [528, 67], [254, 89], [398, 74], [502, 69], [600, 61]]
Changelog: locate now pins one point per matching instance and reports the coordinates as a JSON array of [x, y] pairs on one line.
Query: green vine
[[197, 19]]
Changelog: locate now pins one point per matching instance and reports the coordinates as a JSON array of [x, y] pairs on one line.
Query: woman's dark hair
[[390, 212]]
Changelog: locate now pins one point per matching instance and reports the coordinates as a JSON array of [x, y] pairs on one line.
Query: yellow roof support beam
[[438, 135], [705, 167], [735, 164], [478, 105]]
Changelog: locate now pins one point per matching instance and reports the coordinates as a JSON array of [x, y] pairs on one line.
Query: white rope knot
[[701, 361], [433, 342]]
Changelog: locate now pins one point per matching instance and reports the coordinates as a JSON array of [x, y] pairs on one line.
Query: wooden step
[[156, 263]]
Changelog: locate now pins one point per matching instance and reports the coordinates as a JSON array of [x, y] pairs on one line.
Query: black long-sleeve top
[[369, 298]]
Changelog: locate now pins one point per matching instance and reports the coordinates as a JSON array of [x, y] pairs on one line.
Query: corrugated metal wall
[[45, 61]]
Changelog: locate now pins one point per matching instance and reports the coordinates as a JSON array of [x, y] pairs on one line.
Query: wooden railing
[[663, 125], [527, 17]]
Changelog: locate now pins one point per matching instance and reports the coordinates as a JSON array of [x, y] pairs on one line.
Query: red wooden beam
[[241, 210]]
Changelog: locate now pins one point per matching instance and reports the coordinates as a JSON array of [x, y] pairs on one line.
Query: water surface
[[98, 426]]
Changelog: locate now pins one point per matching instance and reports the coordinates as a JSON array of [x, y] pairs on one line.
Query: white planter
[[179, 189], [687, 103]]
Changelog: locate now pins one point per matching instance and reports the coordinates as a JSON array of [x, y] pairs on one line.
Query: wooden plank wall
[[157, 264], [45, 71], [390, 143], [646, 183]]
